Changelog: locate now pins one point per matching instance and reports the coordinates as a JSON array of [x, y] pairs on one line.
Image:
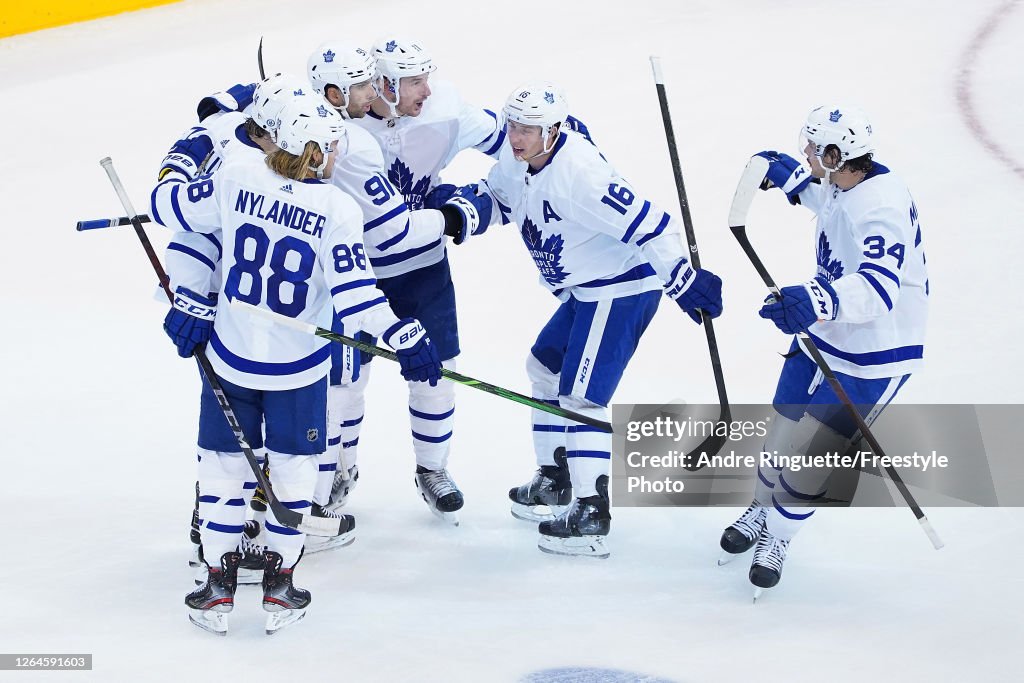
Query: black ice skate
[[210, 603], [341, 489], [286, 603], [316, 544], [742, 534], [440, 493], [766, 569], [546, 495], [581, 529]]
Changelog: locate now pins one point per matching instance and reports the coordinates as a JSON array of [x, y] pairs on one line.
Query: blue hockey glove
[[801, 306], [467, 212], [436, 198], [416, 353], [695, 291], [189, 323], [235, 98], [785, 173], [187, 155]]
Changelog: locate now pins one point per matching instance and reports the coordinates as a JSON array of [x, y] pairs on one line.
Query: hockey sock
[[294, 478], [432, 418], [588, 449]]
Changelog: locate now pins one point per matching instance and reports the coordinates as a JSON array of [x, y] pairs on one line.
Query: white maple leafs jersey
[[869, 246], [293, 247], [193, 259], [589, 233], [393, 234], [415, 150]]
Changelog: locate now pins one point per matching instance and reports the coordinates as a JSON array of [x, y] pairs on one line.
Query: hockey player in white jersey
[[608, 254], [865, 310], [292, 244], [419, 127]]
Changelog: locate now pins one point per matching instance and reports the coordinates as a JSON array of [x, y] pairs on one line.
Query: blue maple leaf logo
[[831, 269], [298, 93], [390, 47], [405, 182], [835, 116], [549, 98], [546, 253], [329, 56], [322, 111]]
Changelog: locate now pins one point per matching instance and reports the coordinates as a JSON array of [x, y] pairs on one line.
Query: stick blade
[[750, 181]]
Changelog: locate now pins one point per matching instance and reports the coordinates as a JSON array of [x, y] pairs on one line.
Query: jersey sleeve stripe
[[177, 208], [403, 255], [388, 243], [657, 231], [273, 369], [173, 246], [152, 204], [877, 287], [370, 282], [884, 271], [215, 242], [636, 222], [359, 308], [381, 220]]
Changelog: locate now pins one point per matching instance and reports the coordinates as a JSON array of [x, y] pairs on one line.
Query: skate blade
[[757, 593], [575, 546], [449, 517], [727, 557], [537, 513], [278, 620], [210, 620], [317, 544]]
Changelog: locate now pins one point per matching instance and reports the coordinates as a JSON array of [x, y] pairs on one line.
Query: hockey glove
[[436, 198], [235, 98], [189, 323], [187, 155], [416, 353], [695, 291], [785, 173], [466, 213], [802, 306]]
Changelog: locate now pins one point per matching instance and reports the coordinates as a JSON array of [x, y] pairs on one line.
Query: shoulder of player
[[581, 162], [880, 194], [361, 146]]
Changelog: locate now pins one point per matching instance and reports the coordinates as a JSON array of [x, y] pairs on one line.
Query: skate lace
[[771, 552], [320, 511], [752, 521], [439, 482]]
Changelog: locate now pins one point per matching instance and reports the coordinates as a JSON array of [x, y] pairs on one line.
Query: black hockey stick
[[714, 442], [447, 374], [99, 223], [317, 526], [753, 176], [259, 60]]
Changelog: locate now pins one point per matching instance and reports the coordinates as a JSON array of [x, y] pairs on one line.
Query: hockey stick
[[259, 60], [714, 442], [317, 526], [109, 222], [750, 181], [447, 374]]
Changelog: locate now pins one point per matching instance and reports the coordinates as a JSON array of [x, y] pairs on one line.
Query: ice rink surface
[[99, 413]]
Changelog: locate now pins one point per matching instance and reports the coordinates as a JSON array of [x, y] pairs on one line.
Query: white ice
[[99, 414]]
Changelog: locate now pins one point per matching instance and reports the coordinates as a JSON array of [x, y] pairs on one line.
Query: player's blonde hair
[[296, 167]]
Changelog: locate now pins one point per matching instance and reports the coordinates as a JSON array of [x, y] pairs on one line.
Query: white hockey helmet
[[270, 97], [537, 104], [398, 58], [306, 119], [845, 127], [341, 65]]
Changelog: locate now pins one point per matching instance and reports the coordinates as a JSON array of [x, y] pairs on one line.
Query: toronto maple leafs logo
[[298, 93], [403, 179], [829, 268], [835, 116], [549, 98], [329, 56], [322, 110], [390, 47], [546, 253]]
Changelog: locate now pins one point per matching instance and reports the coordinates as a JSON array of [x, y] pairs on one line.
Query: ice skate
[[547, 495], [285, 603], [581, 529], [742, 534], [316, 544], [210, 603], [766, 569], [440, 493], [341, 489]]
